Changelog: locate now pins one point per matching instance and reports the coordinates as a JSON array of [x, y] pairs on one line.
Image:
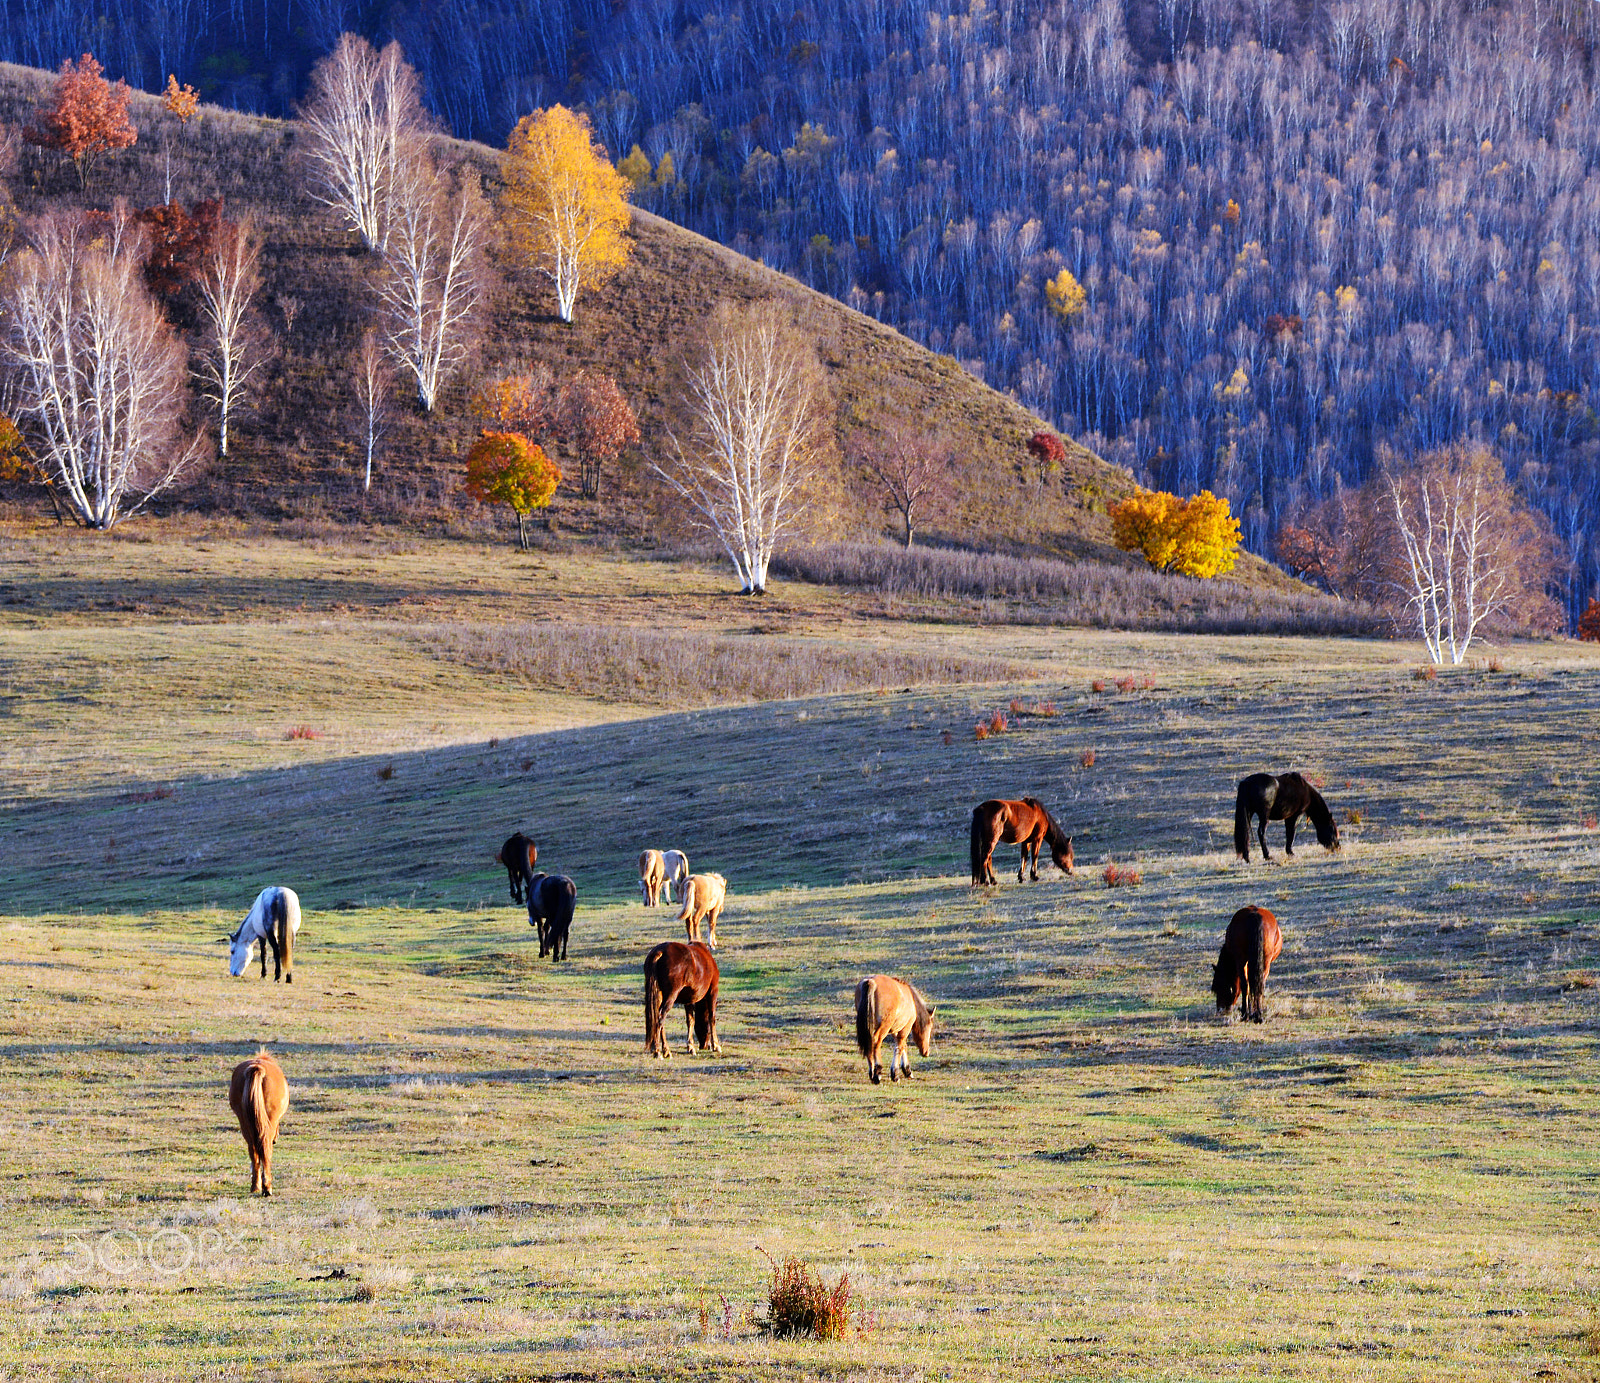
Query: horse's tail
[[255, 1100], [289, 924], [688, 900], [652, 1005], [977, 846], [1241, 825], [866, 1015]]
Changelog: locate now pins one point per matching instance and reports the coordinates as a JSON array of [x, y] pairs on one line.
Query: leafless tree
[[374, 381], [433, 279], [1469, 551], [235, 349], [759, 404], [100, 376], [910, 469], [364, 119]]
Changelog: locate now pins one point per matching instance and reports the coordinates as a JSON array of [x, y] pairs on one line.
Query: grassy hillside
[[298, 456], [482, 1176]]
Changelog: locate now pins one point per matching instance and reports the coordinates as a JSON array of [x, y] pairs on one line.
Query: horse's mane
[[1053, 834], [924, 1013]]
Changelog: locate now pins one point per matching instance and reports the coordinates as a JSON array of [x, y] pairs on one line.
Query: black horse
[[519, 855], [551, 898], [1280, 799]]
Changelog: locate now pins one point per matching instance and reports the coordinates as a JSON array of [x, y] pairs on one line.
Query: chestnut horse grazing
[[703, 897], [676, 972], [1025, 823], [259, 1096], [889, 1007], [1283, 799], [273, 920], [519, 855], [1252, 943]]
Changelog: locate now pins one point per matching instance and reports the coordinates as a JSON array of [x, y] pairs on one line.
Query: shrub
[[1589, 622], [1116, 876], [1352, 816], [980, 731], [998, 724], [1017, 708], [303, 732], [1045, 709], [1589, 821], [1426, 673], [1097, 685], [800, 1303], [1086, 759]]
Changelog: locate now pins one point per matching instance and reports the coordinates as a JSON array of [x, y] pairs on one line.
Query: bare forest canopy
[[1304, 229]]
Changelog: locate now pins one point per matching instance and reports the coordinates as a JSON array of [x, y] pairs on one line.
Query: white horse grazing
[[273, 920], [675, 868]]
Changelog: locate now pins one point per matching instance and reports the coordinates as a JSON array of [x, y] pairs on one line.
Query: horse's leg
[[1262, 833], [688, 1024], [263, 946], [1288, 833], [905, 1054], [874, 1065]]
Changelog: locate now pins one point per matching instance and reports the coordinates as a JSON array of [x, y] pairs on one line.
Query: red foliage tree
[[84, 116], [177, 243], [1047, 449], [594, 419], [1589, 622]]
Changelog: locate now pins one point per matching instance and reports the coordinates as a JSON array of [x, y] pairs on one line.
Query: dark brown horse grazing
[[1252, 943], [551, 900], [1025, 823], [1280, 799], [259, 1097], [519, 855], [677, 972]]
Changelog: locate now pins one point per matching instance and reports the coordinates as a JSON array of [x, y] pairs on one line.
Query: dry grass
[[482, 1177]]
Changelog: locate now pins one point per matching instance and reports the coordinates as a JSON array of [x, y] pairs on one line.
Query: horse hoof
[[906, 1073]]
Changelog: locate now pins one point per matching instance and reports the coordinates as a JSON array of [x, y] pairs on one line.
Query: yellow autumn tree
[[506, 468], [1065, 295], [1194, 537], [565, 205]]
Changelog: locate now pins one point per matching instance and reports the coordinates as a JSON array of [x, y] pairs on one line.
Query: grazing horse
[[551, 899], [652, 874], [889, 1007], [273, 920], [703, 897], [675, 865], [1252, 943], [519, 855], [1025, 823], [1280, 799], [676, 972], [259, 1096]]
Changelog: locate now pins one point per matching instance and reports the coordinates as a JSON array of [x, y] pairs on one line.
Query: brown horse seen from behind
[[889, 1007], [1025, 823], [259, 1097], [1252, 943], [677, 972]]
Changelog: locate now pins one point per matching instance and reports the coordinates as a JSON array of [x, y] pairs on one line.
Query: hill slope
[[297, 457]]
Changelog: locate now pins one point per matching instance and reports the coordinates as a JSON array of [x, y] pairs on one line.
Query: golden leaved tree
[[506, 468], [1194, 537], [565, 205]]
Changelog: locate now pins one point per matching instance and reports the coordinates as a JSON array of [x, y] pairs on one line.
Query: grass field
[[482, 1176]]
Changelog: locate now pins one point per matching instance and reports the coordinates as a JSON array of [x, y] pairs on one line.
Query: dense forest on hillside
[[1303, 231]]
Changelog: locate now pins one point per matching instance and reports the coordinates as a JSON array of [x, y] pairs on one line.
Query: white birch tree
[[760, 407], [363, 120], [1468, 551], [433, 279], [234, 353], [100, 376], [374, 379]]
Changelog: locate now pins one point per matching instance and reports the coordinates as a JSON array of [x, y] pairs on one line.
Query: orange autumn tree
[[84, 116], [565, 205], [1194, 537], [506, 468], [1589, 622]]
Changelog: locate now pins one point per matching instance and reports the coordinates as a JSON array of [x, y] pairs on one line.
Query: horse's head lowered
[[1060, 846], [242, 947], [922, 1028], [1322, 821], [1225, 985]]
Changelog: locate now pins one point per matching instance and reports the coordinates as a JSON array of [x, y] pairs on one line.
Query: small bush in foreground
[[303, 732], [1116, 876], [1426, 673], [800, 1303], [1086, 759]]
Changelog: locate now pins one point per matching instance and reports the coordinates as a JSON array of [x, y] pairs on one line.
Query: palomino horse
[[1252, 943], [273, 920], [259, 1096], [551, 899], [660, 871], [1283, 799], [519, 855], [703, 897], [680, 973], [1025, 823], [889, 1007]]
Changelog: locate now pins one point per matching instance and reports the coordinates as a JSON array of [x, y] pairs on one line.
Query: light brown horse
[[1252, 943], [679, 973], [889, 1007], [259, 1096], [652, 874], [1025, 823], [703, 897]]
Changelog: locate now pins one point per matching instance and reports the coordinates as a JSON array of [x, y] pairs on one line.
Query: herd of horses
[[685, 973]]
